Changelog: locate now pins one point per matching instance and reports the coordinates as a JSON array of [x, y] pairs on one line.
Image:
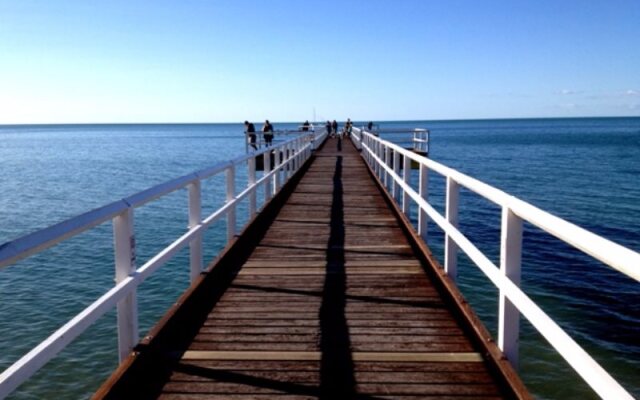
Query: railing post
[[423, 187], [301, 152], [293, 165], [428, 141], [376, 151], [450, 247], [195, 215], [294, 157], [268, 187], [124, 244], [406, 174], [231, 193], [380, 154], [396, 170], [278, 164], [387, 161], [372, 150], [365, 146], [510, 262], [298, 153], [286, 162], [251, 184]]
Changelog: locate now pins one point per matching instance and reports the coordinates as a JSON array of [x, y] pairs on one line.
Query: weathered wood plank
[[331, 302], [413, 357]]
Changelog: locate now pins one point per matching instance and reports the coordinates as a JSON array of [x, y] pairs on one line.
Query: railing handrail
[[610, 253], [294, 152], [24, 246], [614, 255]]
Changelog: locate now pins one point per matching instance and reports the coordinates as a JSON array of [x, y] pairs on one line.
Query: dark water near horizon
[[584, 170]]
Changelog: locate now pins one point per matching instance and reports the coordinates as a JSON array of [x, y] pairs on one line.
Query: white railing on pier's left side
[[289, 156], [280, 135], [384, 158]]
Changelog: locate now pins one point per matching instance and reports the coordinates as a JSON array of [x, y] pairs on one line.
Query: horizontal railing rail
[[384, 160], [290, 155], [416, 139], [278, 135]]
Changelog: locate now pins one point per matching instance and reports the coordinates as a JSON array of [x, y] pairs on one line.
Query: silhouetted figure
[[250, 130], [328, 126], [305, 126], [347, 127], [334, 125], [267, 131], [370, 126]]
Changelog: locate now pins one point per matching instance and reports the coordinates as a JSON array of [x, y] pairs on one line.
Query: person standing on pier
[[305, 126], [328, 126], [267, 131], [251, 131], [334, 125], [347, 127]]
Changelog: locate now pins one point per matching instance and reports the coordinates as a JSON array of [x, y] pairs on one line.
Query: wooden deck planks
[[332, 302], [324, 298]]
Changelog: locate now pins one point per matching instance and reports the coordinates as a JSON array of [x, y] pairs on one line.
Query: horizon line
[[300, 121]]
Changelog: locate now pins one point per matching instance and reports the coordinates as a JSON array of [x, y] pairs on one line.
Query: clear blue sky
[[66, 61]]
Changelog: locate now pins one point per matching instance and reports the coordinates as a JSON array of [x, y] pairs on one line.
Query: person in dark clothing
[[305, 126], [250, 130], [347, 127], [267, 133], [328, 126], [334, 125], [370, 126]]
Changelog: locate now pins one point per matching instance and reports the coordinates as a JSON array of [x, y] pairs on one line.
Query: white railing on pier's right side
[[384, 158], [417, 139], [289, 156]]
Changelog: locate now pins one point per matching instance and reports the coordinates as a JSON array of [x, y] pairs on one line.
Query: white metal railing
[[421, 140], [279, 135], [289, 157], [512, 300], [416, 139]]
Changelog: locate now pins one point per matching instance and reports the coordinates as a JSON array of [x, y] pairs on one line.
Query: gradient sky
[[73, 61]]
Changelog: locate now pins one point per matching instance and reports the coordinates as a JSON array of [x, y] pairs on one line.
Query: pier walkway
[[325, 295]]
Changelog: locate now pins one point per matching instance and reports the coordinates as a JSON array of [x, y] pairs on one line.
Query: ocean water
[[584, 170]]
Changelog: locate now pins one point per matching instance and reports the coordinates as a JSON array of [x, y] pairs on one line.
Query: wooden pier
[[327, 294]]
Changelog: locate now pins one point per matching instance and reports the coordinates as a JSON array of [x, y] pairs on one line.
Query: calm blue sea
[[584, 170]]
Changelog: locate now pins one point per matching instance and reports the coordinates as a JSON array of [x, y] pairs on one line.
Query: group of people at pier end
[[267, 133], [332, 128]]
